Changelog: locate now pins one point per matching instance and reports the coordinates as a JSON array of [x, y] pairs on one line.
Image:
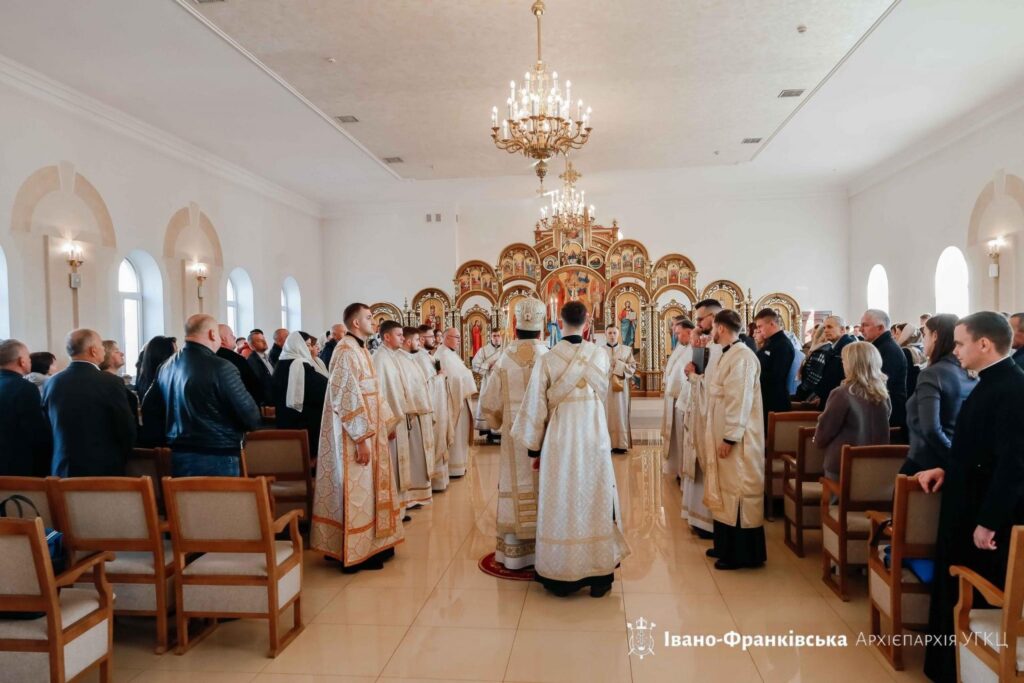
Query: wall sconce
[[994, 245], [76, 257], [200, 271]]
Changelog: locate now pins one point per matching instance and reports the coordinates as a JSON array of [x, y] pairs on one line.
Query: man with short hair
[[113, 361], [776, 356], [1017, 325], [26, 444], [874, 325], [832, 372], [482, 362], [924, 317], [92, 422], [334, 335], [676, 390], [622, 366], [444, 427], [562, 420], [735, 474], [226, 352], [423, 423], [500, 399], [280, 336], [262, 368], [983, 488], [356, 517], [201, 404], [461, 388]]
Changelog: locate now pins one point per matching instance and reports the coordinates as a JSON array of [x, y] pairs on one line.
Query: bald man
[[92, 423], [204, 407], [337, 331], [226, 350], [25, 445], [461, 390], [280, 335]]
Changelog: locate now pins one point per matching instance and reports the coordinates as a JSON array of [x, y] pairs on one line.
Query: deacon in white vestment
[[734, 483], [437, 389], [356, 515], [563, 421], [500, 398], [622, 367], [461, 389], [482, 363], [676, 392]]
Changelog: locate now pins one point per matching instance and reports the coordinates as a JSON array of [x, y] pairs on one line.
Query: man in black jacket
[[203, 404], [983, 488], [227, 352], [280, 335], [1017, 325], [874, 325], [776, 355], [262, 368], [337, 331], [93, 425], [25, 441], [832, 375]]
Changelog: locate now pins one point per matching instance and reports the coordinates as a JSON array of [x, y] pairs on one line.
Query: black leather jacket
[[200, 404]]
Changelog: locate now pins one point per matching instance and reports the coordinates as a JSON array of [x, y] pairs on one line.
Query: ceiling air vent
[[393, 160], [347, 118], [796, 92], [751, 141], [207, 2]]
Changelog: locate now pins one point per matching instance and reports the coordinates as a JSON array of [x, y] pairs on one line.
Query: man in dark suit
[[776, 355], [25, 442], [92, 423], [983, 487], [832, 375], [280, 335], [259, 361], [874, 325], [227, 352], [1017, 325], [337, 331]]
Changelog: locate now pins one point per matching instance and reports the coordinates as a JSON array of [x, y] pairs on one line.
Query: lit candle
[[579, 110], [494, 117], [504, 129]]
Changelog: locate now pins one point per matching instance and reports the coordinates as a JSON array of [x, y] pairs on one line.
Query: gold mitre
[[530, 314]]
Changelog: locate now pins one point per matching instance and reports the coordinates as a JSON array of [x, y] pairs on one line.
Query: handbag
[[54, 543]]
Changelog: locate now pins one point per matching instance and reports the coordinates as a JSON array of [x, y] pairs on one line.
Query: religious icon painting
[[595, 261], [550, 262], [475, 329], [432, 313], [668, 339], [627, 318]]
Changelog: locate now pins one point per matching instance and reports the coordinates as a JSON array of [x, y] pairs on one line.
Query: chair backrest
[[108, 513], [218, 514], [867, 474], [26, 574], [1013, 594], [39, 491], [283, 453], [915, 516], [810, 454], [784, 429]]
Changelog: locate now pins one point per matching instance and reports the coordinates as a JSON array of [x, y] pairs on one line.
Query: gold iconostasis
[[615, 278]]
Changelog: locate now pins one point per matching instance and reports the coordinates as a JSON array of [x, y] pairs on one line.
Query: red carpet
[[488, 565]]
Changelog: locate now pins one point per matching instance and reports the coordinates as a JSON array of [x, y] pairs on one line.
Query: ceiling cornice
[[53, 92]]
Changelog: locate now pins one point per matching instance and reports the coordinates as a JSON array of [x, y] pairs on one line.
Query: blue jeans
[[185, 464]]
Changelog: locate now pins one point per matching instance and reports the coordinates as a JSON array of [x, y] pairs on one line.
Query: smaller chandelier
[[568, 208], [539, 120]]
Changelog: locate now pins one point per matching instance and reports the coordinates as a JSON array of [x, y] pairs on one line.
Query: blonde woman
[[857, 413]]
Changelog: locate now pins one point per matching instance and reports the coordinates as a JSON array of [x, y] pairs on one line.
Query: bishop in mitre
[[563, 421], [676, 397], [622, 367], [356, 517], [461, 390], [440, 399], [500, 398], [483, 363], [404, 391], [734, 481]]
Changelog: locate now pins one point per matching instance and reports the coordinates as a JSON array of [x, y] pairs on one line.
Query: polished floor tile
[[453, 653]]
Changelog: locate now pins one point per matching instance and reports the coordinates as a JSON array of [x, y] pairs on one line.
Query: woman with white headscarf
[[298, 388]]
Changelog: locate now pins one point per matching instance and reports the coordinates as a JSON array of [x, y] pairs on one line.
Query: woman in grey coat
[[857, 413], [932, 410]]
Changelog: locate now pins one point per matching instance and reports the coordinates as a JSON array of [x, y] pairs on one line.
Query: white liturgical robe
[[444, 430], [483, 362], [500, 398], [622, 367], [579, 533], [676, 391], [696, 447], [461, 389]]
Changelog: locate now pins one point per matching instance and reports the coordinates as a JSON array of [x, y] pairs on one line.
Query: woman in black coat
[[298, 388]]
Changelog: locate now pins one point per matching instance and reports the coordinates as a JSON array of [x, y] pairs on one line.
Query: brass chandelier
[[539, 121], [568, 209]]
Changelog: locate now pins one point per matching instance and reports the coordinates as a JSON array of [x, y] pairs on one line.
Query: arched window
[[130, 288], [5, 299], [952, 287], [239, 301], [878, 288], [291, 304]]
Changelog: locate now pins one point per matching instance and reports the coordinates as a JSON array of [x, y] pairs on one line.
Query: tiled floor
[[432, 615]]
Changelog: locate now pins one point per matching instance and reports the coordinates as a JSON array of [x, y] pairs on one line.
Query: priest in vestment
[[461, 389], [483, 361], [500, 398], [356, 516], [734, 481], [437, 390], [563, 421], [622, 367], [676, 392]]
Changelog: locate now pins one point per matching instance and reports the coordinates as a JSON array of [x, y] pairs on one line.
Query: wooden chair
[[867, 475], [75, 633], [244, 572], [780, 440], [990, 642], [119, 514], [39, 491], [154, 463], [282, 454], [894, 590], [801, 489]]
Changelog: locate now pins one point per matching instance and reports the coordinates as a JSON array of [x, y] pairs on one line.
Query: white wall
[[142, 185], [909, 213]]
